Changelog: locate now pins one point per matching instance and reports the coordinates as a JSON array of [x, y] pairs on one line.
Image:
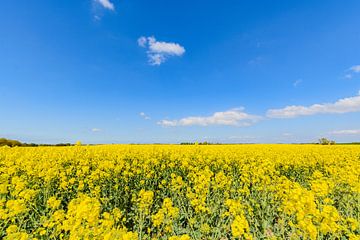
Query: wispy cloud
[[106, 4], [256, 61], [233, 117], [96, 130], [159, 52], [297, 82], [345, 105], [142, 41], [348, 76], [242, 138], [346, 132], [351, 71], [144, 116], [97, 17], [355, 69], [230, 139]]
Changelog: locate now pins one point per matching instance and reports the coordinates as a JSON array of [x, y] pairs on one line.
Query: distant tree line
[[199, 143], [187, 143], [351, 143], [15, 143]]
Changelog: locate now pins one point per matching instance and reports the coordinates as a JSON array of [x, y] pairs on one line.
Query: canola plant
[[180, 192]]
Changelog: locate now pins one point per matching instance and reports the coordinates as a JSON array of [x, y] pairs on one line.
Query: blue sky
[[120, 71]]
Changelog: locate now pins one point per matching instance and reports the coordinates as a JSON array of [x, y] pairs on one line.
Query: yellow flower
[[182, 237], [11, 229], [235, 207], [205, 228], [240, 227], [53, 203], [16, 207], [145, 200]]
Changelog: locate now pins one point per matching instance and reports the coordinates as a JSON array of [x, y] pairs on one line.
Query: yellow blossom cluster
[[239, 226], [165, 216]]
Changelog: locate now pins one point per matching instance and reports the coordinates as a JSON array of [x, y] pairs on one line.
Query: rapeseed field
[[180, 192]]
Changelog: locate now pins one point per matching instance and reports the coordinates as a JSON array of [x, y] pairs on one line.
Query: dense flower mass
[[180, 192]]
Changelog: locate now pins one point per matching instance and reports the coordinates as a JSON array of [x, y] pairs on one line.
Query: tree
[[10, 143], [325, 141]]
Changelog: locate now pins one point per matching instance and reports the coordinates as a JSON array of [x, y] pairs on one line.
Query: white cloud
[[144, 116], [159, 52], [345, 105], [355, 69], [95, 130], [346, 132], [106, 4], [232, 117]]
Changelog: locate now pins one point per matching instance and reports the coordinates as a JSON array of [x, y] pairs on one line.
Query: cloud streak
[[297, 82], [355, 69], [346, 132], [158, 52], [233, 117], [106, 4], [345, 105], [144, 116]]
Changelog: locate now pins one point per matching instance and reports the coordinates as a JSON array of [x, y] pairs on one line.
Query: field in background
[[180, 192]]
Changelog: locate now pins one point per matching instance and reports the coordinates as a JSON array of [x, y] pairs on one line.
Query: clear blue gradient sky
[[121, 71]]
